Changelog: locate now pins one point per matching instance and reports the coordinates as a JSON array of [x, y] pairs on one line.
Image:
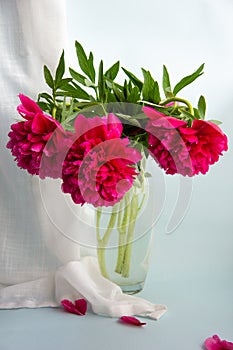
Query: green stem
[[128, 249], [178, 99], [104, 110], [102, 242], [121, 226], [110, 225], [54, 112], [101, 260], [98, 216]]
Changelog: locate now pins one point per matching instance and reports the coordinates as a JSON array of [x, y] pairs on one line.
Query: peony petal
[[81, 306], [70, 307], [114, 125], [37, 147], [215, 343], [131, 320], [84, 125], [152, 113], [43, 124], [28, 108]]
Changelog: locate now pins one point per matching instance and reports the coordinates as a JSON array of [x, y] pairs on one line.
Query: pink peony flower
[[132, 321], [181, 149], [215, 343], [205, 142], [165, 143], [100, 166], [38, 142], [79, 307]]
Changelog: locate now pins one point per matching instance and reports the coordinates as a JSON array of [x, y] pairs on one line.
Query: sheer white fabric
[[27, 41], [34, 216]]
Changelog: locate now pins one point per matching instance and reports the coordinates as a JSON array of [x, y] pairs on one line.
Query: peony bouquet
[[95, 134]]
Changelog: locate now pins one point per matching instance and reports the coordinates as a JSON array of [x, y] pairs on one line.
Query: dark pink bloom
[[131, 320], [100, 166], [38, 142], [181, 149], [205, 142], [165, 143], [79, 307], [215, 343]]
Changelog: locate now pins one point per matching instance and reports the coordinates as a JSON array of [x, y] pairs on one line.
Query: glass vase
[[124, 236]]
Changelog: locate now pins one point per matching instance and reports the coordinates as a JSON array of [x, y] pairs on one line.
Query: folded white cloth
[[82, 279]]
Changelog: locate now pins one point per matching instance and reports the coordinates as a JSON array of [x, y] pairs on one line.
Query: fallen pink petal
[[79, 307], [131, 320], [215, 343]]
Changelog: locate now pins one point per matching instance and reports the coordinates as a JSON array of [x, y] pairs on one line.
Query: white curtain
[[32, 33]]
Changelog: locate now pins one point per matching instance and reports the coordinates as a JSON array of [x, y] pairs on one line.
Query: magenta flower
[[79, 307], [131, 320], [181, 149], [100, 166], [205, 142], [165, 143], [38, 142], [215, 343]]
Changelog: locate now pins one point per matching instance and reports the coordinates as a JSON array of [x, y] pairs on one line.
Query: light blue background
[[192, 268], [181, 34]]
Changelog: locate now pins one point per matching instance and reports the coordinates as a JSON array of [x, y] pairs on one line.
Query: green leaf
[[217, 122], [130, 86], [134, 95], [166, 83], [150, 90], [60, 69], [133, 78], [63, 82], [48, 77], [44, 106], [188, 79], [88, 83], [91, 67], [111, 83], [131, 121], [77, 76], [157, 97], [75, 92], [202, 107], [196, 113], [84, 63], [148, 82], [111, 97], [126, 90], [69, 118], [141, 116], [63, 112], [118, 93], [186, 113], [80, 78], [112, 72], [46, 96], [101, 83], [82, 105]]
